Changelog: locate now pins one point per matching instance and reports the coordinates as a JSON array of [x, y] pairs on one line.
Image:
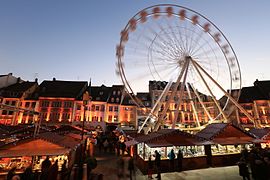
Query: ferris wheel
[[179, 46]]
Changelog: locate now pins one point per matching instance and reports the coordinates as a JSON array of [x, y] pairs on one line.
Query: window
[[110, 118], [131, 116], [13, 103], [27, 104], [115, 108], [97, 108], [7, 102], [102, 108], [56, 104], [114, 92], [100, 118], [33, 104], [10, 112], [45, 104], [110, 108], [67, 104], [117, 100], [115, 118], [112, 99], [118, 93], [101, 93], [93, 108], [78, 107], [4, 112]]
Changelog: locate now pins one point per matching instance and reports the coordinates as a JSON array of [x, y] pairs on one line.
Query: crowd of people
[[255, 163], [155, 167], [49, 171]]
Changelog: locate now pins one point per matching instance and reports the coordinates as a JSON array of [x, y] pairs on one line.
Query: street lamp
[[85, 102]]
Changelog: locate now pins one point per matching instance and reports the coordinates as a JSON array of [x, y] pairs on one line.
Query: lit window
[[110, 108]]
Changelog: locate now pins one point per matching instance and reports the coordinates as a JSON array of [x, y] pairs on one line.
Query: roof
[[63, 141], [211, 130], [261, 133], [249, 94], [260, 91], [17, 90], [33, 147], [225, 133], [174, 138], [103, 93], [100, 93], [168, 137], [66, 89]]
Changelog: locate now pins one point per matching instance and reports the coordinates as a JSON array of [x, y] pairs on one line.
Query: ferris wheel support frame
[[193, 107], [209, 90], [154, 110], [181, 94], [196, 65], [164, 111], [200, 101]]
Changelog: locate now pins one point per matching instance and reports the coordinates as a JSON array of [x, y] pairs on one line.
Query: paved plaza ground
[[107, 166]]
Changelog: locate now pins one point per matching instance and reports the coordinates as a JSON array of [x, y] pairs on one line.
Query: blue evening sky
[[76, 39]]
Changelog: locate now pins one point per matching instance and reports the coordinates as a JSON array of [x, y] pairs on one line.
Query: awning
[[131, 143], [159, 143]]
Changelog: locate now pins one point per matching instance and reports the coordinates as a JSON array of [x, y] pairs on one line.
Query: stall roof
[[263, 134], [175, 138], [64, 141], [232, 141], [159, 143], [222, 130], [36, 147]]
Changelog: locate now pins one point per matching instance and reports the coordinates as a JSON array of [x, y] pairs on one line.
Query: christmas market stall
[[225, 142], [166, 140], [32, 151]]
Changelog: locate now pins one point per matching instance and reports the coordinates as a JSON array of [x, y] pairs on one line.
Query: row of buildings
[[63, 102]]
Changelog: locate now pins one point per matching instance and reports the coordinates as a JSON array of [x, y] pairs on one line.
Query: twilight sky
[[76, 40]]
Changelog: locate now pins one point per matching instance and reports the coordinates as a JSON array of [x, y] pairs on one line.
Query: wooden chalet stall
[[163, 141], [32, 151], [225, 143]]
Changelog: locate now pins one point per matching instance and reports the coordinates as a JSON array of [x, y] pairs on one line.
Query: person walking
[[157, 162], [53, 171], [180, 160], [171, 157], [45, 166], [243, 169], [150, 168]]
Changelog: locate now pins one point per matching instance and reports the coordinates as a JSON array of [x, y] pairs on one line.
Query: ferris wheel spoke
[[174, 38]]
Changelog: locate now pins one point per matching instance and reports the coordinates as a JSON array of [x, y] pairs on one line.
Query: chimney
[[54, 79], [36, 80]]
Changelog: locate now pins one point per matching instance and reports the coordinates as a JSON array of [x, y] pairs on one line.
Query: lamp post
[[83, 144], [85, 102]]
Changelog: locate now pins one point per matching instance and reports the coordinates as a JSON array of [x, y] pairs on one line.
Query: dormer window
[[114, 92], [101, 93], [112, 99]]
